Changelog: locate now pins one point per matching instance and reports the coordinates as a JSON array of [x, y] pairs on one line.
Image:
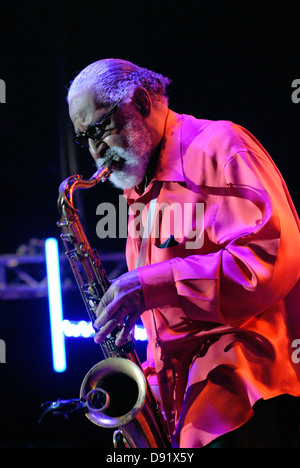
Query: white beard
[[134, 160], [132, 171]]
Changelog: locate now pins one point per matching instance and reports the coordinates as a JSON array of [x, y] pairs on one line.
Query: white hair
[[111, 79]]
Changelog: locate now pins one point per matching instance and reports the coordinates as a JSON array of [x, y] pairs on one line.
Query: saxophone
[[115, 390]]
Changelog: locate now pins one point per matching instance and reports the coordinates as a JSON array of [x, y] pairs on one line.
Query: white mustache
[[111, 160]]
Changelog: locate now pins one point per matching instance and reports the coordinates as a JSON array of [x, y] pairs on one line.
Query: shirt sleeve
[[257, 257]]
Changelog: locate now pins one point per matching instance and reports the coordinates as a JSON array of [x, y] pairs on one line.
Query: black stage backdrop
[[228, 60]]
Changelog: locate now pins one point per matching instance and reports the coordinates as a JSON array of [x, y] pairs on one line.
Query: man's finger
[[128, 326], [106, 330]]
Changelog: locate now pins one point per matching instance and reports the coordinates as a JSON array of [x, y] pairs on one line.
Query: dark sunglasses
[[96, 131]]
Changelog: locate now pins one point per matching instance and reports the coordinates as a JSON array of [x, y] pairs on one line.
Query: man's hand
[[123, 302]]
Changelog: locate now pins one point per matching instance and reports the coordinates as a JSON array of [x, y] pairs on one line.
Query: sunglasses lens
[[82, 141], [95, 132]]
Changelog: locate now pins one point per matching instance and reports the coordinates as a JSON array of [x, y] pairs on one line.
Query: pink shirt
[[221, 311]]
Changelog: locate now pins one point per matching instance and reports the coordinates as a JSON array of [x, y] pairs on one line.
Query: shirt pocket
[[171, 248]]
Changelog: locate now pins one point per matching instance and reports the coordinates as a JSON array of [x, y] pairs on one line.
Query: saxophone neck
[[75, 182], [102, 174]]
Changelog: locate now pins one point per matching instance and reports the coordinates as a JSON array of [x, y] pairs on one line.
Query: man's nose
[[97, 148]]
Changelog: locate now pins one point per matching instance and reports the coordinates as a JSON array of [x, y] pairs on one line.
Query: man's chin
[[124, 181]]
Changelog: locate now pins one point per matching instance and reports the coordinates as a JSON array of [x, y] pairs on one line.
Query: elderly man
[[217, 287]]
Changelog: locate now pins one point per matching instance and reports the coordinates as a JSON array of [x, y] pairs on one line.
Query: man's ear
[[142, 101]]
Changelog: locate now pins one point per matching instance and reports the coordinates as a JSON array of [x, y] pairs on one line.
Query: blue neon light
[[74, 329], [55, 305], [140, 333], [83, 329], [60, 328]]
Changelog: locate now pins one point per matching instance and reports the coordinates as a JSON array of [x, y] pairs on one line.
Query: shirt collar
[[169, 164]]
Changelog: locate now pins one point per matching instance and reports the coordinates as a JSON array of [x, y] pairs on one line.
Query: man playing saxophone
[[217, 295]]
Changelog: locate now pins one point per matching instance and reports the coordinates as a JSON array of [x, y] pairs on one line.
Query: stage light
[[55, 305], [140, 333], [83, 329], [75, 329]]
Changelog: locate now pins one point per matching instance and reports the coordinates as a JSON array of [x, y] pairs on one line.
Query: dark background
[[227, 60]]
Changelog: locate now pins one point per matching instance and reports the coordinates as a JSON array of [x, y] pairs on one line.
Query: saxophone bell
[[115, 391]]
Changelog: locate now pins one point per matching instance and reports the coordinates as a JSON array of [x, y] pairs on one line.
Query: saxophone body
[[115, 390]]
